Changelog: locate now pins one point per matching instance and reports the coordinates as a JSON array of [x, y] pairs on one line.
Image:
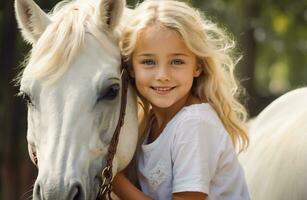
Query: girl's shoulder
[[199, 121], [199, 113]]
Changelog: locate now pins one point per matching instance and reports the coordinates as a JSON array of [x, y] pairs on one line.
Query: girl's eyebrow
[[179, 54], [173, 54], [145, 54]]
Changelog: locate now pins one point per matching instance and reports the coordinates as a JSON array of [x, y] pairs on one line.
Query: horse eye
[[33, 155], [110, 93], [26, 98]]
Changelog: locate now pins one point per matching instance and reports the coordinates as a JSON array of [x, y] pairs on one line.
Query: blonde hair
[[215, 53]]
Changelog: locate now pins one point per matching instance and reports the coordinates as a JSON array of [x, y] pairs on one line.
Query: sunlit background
[[271, 35]]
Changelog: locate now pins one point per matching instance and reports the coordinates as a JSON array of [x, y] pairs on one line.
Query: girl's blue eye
[[148, 62], [177, 62]]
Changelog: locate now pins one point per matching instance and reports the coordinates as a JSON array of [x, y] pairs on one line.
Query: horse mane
[[64, 37]]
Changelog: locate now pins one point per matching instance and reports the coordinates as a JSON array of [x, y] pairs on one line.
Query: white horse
[[72, 83], [275, 163]]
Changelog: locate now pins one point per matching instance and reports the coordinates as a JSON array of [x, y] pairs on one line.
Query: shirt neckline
[[152, 145]]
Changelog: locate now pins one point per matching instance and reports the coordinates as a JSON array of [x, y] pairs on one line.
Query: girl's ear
[[198, 70]]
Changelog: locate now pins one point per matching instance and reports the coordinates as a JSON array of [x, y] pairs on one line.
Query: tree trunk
[[247, 68], [256, 102]]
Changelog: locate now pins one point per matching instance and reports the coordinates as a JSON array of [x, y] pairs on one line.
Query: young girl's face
[[163, 67]]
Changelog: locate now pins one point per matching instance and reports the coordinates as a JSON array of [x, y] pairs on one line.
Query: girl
[[182, 65]]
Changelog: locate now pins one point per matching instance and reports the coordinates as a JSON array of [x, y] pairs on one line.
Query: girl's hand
[[124, 189]]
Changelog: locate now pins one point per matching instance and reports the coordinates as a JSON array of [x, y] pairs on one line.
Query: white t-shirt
[[193, 153]]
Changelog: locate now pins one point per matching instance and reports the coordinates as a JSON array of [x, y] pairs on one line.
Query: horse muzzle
[[59, 189]]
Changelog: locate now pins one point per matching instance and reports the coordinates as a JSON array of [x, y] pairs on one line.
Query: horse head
[[72, 83]]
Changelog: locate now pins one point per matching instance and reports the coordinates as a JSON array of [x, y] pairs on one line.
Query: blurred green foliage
[[280, 34], [271, 35]]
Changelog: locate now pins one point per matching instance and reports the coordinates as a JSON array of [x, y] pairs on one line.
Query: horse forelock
[[64, 37]]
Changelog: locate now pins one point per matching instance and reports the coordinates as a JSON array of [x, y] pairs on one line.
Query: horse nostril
[[78, 195], [38, 193], [76, 192]]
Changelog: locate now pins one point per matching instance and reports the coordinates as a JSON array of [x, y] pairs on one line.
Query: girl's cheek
[[143, 74], [140, 80]]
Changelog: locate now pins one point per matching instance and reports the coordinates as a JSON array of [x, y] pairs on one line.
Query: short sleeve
[[230, 177], [195, 154]]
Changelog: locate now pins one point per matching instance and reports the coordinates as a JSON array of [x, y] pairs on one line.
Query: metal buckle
[[105, 186]]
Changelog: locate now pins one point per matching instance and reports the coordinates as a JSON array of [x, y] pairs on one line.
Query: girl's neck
[[164, 115]]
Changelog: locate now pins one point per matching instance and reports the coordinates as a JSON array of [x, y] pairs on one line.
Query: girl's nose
[[163, 73]]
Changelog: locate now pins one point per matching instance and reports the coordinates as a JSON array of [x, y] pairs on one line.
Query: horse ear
[[31, 19], [109, 13]]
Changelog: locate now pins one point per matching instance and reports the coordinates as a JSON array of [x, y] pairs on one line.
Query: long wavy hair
[[215, 52]]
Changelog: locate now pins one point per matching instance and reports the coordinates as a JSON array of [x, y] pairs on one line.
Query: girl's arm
[[189, 196], [124, 189]]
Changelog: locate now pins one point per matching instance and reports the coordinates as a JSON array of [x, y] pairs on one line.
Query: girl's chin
[[162, 104]]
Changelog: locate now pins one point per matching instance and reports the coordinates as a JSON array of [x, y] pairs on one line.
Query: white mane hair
[[64, 37]]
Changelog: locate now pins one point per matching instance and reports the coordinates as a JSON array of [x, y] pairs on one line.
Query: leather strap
[[107, 175]]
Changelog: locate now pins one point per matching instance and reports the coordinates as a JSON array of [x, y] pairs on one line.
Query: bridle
[[107, 175]]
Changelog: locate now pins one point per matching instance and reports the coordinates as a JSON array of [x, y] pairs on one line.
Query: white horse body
[[275, 163], [74, 109]]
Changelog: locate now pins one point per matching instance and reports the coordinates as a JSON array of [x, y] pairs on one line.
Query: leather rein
[[107, 175]]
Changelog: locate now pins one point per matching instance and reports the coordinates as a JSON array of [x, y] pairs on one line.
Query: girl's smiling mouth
[[162, 90]]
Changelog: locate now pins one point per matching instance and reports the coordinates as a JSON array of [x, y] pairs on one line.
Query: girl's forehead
[[157, 37], [157, 32]]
